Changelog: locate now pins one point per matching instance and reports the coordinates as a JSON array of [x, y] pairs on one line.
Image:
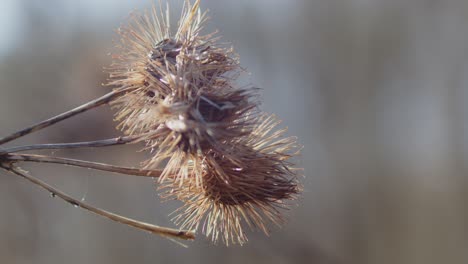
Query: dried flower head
[[184, 99], [224, 160], [227, 162], [234, 195]]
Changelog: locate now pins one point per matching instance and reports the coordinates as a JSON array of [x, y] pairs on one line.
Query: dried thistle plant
[[211, 147]]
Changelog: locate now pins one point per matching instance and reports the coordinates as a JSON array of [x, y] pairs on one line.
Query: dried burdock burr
[[184, 98], [250, 193], [224, 160]]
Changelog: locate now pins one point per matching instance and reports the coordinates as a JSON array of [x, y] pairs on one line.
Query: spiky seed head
[[228, 164], [183, 98], [233, 196]]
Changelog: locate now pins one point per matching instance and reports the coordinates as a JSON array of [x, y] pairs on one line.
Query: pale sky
[[91, 13], [10, 24]]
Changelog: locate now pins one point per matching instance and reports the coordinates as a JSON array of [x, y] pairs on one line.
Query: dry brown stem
[[87, 144], [53, 120], [163, 231], [14, 158]]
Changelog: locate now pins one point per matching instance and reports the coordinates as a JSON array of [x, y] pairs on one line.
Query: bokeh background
[[375, 90]]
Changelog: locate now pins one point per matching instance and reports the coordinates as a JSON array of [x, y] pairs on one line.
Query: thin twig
[[78, 110], [87, 144], [13, 158], [167, 232]]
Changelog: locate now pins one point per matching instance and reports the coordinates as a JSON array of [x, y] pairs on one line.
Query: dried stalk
[[8, 159], [87, 144], [78, 110], [13, 158], [163, 231]]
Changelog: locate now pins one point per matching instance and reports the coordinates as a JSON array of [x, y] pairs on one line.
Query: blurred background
[[375, 90]]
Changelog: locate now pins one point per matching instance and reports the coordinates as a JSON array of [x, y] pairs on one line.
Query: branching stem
[[163, 231], [78, 110], [14, 158], [87, 144], [9, 157]]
